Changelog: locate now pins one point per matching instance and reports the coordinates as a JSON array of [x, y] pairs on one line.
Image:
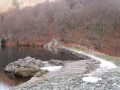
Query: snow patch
[[91, 79], [103, 64], [4, 86], [51, 68]]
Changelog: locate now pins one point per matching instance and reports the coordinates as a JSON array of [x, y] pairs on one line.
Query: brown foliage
[[92, 23]]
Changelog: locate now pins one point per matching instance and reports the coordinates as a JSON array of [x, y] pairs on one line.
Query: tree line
[[86, 22]]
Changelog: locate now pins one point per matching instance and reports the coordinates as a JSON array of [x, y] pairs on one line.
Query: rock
[[25, 72], [10, 67], [56, 62], [28, 72], [26, 67], [74, 82], [68, 77], [52, 45], [40, 73], [39, 63]]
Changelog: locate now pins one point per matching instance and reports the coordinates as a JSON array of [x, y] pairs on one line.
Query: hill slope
[[91, 23]]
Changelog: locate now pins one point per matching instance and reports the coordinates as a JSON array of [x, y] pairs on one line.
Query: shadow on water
[[3, 47], [8, 55]]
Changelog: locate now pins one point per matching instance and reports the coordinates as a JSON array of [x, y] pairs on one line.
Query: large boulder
[[53, 45], [40, 73], [26, 67], [25, 72], [28, 72], [56, 62]]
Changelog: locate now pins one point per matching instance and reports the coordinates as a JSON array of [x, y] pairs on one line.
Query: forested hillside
[[91, 23]]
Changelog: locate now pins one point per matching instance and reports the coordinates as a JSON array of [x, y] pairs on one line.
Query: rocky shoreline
[[70, 69], [106, 81], [67, 69], [30, 67]]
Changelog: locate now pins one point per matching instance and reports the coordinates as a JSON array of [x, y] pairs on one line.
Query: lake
[[11, 54]]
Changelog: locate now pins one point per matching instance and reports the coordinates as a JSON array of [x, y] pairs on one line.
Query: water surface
[[8, 55]]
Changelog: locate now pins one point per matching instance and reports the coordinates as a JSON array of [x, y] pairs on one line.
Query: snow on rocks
[[91, 79], [51, 68]]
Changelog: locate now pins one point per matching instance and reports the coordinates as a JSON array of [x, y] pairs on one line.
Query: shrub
[[3, 41]]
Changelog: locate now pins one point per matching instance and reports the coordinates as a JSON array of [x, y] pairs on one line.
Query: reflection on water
[[8, 55]]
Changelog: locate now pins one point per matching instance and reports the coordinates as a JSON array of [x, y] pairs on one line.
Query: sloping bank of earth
[[73, 76]]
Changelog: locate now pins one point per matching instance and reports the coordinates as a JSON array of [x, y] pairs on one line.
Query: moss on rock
[[25, 72]]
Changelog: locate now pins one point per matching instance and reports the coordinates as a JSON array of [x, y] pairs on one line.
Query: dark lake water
[[8, 55]]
